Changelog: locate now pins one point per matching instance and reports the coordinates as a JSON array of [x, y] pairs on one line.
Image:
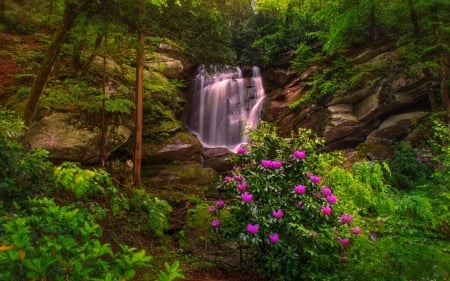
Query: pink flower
[[220, 203], [276, 164], [344, 242], [299, 204], [242, 186], [252, 228], [355, 230], [266, 163], [215, 223], [242, 150], [274, 238], [271, 164], [212, 209], [300, 189], [326, 191], [346, 219], [277, 214], [300, 154], [247, 197], [313, 178], [228, 179], [238, 178], [332, 199], [326, 210]]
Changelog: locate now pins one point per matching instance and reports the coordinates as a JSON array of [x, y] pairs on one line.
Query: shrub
[[22, 173], [61, 243], [283, 209], [409, 167]]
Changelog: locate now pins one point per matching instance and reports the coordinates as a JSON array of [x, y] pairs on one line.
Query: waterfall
[[224, 105]]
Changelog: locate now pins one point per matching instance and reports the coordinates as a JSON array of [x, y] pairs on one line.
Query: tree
[[72, 10], [140, 27]]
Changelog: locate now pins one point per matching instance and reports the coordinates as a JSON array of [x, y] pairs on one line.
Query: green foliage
[[29, 60], [365, 73], [72, 93], [172, 272], [402, 231], [304, 58], [326, 81], [408, 168], [21, 19], [62, 243], [82, 182], [363, 188], [22, 173], [193, 26], [138, 207], [270, 170], [149, 212]]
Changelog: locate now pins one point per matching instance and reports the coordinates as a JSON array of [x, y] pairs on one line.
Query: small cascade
[[224, 105]]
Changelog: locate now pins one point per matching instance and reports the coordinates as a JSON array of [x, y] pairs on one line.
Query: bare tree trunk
[[71, 12], [50, 14], [88, 63], [444, 76], [103, 121], [2, 9], [373, 25], [414, 18], [139, 109]]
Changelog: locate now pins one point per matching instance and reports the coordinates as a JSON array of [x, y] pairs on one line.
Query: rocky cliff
[[380, 107]]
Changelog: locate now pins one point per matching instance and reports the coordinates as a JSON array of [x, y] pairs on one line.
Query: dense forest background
[[283, 208]]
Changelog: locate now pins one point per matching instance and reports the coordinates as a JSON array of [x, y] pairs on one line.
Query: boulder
[[112, 67], [168, 66], [70, 137], [178, 148], [217, 158], [394, 127], [182, 176]]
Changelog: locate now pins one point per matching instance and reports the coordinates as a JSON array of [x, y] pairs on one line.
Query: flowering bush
[[286, 213]]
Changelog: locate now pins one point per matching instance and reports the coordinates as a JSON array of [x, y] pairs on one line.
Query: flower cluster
[[323, 196], [271, 164], [216, 223], [280, 202], [425, 156]]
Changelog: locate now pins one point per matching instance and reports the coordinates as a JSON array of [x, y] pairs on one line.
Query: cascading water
[[224, 105]]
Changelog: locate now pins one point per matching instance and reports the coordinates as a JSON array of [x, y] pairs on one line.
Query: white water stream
[[224, 105]]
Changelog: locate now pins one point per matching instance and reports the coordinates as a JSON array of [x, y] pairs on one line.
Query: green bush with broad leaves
[[54, 242], [43, 240], [281, 208], [23, 173]]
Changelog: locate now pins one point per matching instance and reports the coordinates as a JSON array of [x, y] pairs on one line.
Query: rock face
[[69, 137], [178, 148], [169, 67], [382, 108]]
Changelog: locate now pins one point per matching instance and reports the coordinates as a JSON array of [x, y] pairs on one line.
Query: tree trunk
[[103, 114], [139, 109], [373, 25], [444, 76], [2, 9], [98, 42], [71, 12], [414, 18], [50, 14]]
